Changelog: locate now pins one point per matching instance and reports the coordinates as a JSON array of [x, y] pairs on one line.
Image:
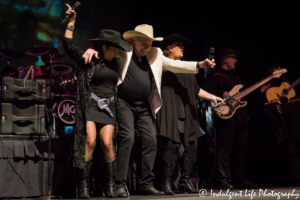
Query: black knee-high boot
[[84, 180], [110, 170], [168, 168], [185, 185]]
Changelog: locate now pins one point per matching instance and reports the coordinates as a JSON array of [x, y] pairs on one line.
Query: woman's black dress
[[103, 84], [167, 117], [83, 97]]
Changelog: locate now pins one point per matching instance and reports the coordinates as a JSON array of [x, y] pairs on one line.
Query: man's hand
[[88, 55], [264, 88], [205, 63]]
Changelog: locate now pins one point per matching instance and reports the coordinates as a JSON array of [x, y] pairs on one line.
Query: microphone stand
[[50, 196]]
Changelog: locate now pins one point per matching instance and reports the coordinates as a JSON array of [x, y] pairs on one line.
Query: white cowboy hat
[[143, 30]]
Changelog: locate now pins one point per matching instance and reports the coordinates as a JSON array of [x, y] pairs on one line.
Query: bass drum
[[64, 112]]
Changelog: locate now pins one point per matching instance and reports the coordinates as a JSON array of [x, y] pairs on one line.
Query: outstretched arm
[[69, 33], [207, 96], [178, 66]]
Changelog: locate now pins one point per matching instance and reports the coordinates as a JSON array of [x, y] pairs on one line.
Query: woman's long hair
[[101, 61], [98, 47], [166, 52]]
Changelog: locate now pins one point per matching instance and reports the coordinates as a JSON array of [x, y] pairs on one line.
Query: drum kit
[[62, 77]]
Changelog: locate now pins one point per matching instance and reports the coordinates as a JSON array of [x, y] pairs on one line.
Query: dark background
[[266, 33]]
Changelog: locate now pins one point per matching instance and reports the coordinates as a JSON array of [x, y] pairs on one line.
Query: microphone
[[76, 5], [211, 56], [218, 104]]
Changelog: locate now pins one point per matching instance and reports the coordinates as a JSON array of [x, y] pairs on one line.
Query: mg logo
[[67, 111]]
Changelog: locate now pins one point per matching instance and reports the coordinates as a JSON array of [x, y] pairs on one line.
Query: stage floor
[[267, 193]]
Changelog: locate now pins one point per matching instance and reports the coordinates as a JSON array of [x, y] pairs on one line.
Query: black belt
[[138, 103]]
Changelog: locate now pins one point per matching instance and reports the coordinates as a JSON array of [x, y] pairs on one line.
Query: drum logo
[[67, 111]]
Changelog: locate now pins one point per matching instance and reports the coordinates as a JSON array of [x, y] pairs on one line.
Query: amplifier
[[22, 119], [24, 91]]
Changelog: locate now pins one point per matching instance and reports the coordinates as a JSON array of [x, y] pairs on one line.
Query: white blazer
[[158, 62]]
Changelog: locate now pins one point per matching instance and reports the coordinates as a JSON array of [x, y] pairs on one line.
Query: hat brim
[[171, 39], [128, 35], [123, 44], [220, 55]]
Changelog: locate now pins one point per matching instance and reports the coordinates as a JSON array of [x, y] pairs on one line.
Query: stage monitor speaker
[[23, 91], [22, 119]]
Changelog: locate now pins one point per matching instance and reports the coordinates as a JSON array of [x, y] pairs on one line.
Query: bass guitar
[[227, 111]]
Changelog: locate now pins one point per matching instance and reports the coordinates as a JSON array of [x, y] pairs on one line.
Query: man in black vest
[[231, 133]]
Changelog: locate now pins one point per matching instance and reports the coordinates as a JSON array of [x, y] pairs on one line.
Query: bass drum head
[[66, 111]]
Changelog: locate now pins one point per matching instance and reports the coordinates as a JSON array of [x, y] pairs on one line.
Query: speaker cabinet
[[22, 119], [23, 91]]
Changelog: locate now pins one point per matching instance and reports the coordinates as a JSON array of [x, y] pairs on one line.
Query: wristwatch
[[71, 28]]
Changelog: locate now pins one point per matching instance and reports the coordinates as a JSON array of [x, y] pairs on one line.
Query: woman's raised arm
[[70, 26]]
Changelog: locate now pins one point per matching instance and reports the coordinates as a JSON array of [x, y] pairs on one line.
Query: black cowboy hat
[[227, 51], [112, 38], [174, 37]]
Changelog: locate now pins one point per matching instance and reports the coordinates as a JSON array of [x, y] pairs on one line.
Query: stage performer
[[139, 100], [231, 133], [95, 102], [275, 82], [177, 120]]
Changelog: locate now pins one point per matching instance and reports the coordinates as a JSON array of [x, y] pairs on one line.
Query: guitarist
[[231, 133], [275, 82]]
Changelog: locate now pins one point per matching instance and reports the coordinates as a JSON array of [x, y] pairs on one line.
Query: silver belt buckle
[[103, 103]]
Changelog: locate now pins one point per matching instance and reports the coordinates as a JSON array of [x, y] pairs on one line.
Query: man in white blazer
[[139, 99]]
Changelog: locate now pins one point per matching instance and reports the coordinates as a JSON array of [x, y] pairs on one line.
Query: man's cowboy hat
[[111, 37], [143, 30], [227, 51], [174, 37]]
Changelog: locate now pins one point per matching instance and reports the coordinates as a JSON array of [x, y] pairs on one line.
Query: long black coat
[[83, 99], [167, 116]]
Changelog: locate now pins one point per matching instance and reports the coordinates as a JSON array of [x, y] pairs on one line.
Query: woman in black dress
[[95, 101], [177, 121]]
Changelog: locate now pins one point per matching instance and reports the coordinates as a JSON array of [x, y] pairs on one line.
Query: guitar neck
[[253, 87], [294, 84]]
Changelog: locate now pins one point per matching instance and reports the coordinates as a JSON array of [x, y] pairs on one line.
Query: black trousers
[[171, 148], [232, 149], [131, 117]]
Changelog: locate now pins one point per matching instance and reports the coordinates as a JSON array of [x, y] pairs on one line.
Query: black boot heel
[[110, 170], [168, 168], [84, 179]]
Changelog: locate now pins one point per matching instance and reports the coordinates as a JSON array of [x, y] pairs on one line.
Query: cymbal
[[61, 68], [10, 54], [36, 51]]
